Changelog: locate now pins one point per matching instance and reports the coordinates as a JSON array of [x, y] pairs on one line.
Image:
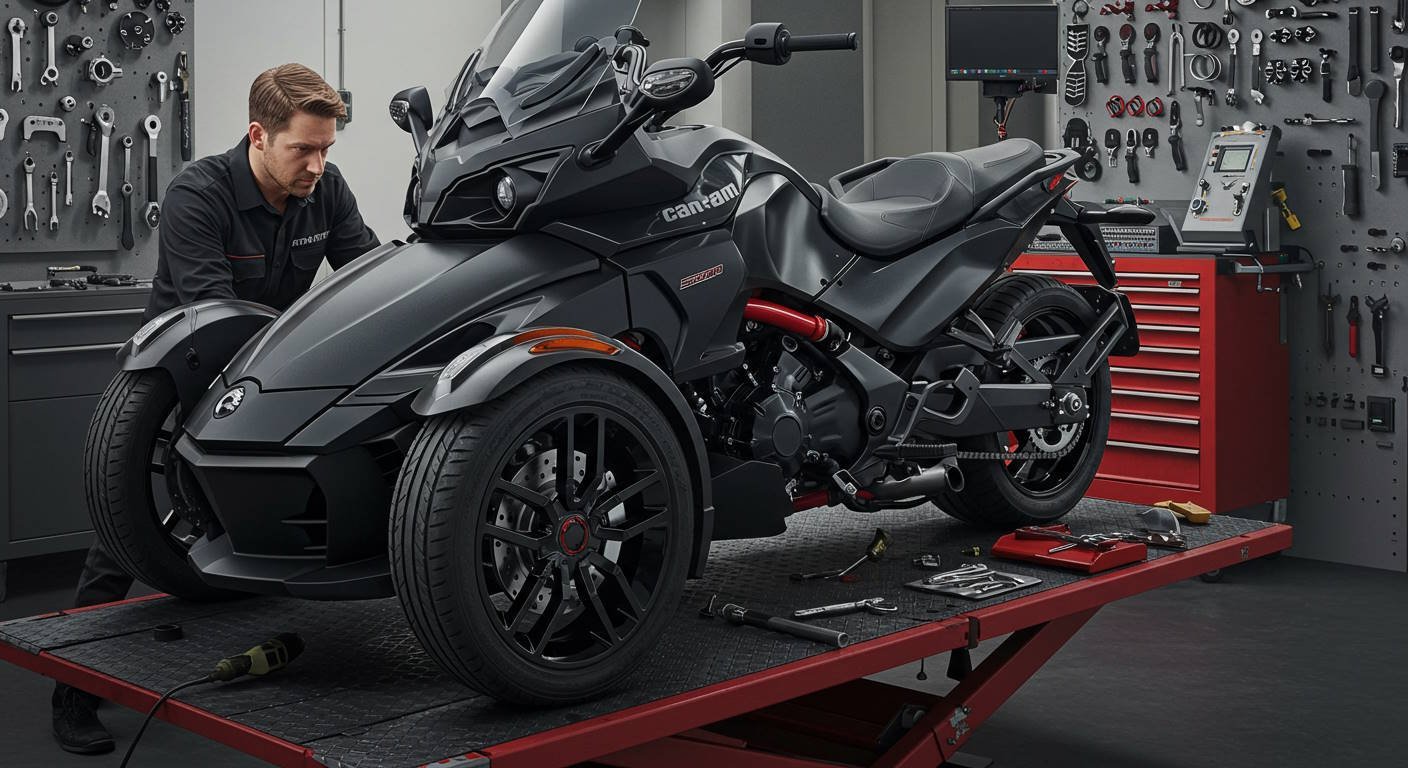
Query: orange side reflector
[[538, 333], [558, 345]]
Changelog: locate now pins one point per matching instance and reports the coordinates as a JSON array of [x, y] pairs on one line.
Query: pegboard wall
[[1348, 483], [80, 233]]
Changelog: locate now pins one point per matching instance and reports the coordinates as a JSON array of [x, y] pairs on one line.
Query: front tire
[[125, 460], [531, 583], [1009, 494]]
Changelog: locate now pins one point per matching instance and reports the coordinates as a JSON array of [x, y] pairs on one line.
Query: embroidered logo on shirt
[[310, 240]]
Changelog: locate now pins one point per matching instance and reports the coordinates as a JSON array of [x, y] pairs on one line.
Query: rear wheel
[[1024, 491], [130, 471], [539, 543]]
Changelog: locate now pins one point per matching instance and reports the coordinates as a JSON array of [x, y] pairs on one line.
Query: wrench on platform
[[870, 605]]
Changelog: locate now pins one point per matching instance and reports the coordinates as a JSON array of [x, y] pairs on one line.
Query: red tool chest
[[1201, 413]]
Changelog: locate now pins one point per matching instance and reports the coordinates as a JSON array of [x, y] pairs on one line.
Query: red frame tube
[[786, 318]]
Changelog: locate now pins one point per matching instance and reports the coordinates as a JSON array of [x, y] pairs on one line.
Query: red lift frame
[[819, 705]]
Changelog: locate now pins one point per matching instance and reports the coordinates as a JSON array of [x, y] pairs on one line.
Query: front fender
[[498, 364], [193, 343]]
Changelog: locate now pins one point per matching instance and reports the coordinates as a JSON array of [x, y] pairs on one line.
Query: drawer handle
[[66, 350], [1156, 275], [1169, 351], [1164, 308], [1143, 289], [1173, 328], [1158, 448], [1055, 272], [1148, 417], [91, 313], [1155, 395], [1155, 372]]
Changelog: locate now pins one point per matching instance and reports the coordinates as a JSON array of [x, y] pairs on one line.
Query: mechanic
[[245, 224]]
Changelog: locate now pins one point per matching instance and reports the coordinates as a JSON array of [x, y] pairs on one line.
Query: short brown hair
[[278, 93]]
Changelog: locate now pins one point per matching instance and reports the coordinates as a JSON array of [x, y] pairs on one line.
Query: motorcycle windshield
[[539, 57]]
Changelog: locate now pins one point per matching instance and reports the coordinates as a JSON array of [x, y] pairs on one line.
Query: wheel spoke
[[517, 538], [623, 585], [586, 590], [523, 601], [567, 459], [656, 519], [626, 494], [595, 483], [551, 618], [528, 496], [1024, 470]]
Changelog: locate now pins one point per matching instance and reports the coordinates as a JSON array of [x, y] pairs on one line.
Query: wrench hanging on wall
[[103, 119], [1175, 137], [1258, 73], [17, 29], [152, 213], [1176, 75], [1231, 97], [126, 189], [51, 71]]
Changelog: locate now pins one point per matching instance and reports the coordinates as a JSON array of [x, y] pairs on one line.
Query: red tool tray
[[1082, 559]]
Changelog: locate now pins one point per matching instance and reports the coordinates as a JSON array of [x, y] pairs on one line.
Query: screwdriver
[[1349, 181]]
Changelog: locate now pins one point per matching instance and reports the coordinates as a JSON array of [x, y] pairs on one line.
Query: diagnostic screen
[[1234, 159], [1002, 42]]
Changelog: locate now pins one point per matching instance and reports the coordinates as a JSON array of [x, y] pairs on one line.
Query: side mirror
[[671, 85], [411, 111]]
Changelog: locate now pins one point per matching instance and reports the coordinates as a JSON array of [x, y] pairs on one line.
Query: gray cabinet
[[60, 353]]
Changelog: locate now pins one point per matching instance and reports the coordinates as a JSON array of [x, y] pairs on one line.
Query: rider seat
[[919, 197]]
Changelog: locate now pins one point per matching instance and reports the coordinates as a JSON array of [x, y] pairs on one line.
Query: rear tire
[[517, 593], [123, 473], [995, 493]]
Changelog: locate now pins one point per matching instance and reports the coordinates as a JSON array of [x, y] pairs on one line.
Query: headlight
[[504, 194]]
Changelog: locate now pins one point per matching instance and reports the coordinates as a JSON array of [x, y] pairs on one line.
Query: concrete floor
[[1285, 663]]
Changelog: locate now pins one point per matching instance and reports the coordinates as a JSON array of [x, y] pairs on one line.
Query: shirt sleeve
[[350, 236], [192, 247]]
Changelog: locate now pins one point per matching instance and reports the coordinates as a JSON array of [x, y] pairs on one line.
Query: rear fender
[[498, 364], [193, 343]]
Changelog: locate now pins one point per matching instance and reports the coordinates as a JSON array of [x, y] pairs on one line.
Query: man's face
[[294, 158]]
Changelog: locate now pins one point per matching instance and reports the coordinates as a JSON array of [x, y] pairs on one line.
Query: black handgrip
[[1350, 182], [840, 42], [152, 189], [1151, 65], [127, 240]]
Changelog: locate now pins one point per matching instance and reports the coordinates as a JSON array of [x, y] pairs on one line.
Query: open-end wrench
[[1397, 54], [104, 119], [1175, 57], [17, 29], [1258, 75], [127, 239], [68, 178], [1231, 97], [51, 70], [31, 216], [152, 213], [53, 202]]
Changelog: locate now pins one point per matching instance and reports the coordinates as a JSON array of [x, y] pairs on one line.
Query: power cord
[[152, 712], [269, 656]]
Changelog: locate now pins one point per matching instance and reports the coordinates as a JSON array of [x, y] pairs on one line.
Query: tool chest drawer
[[61, 371], [1174, 411], [68, 329]]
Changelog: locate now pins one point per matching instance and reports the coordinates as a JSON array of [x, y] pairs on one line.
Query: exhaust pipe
[[927, 483]]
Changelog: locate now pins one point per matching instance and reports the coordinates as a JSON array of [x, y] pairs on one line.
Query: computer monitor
[[1002, 43]]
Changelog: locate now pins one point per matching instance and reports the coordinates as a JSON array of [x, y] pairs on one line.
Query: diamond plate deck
[[363, 694]]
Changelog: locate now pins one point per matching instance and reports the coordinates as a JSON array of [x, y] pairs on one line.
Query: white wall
[[417, 42]]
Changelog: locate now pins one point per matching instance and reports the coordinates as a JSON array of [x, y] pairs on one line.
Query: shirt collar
[[247, 193]]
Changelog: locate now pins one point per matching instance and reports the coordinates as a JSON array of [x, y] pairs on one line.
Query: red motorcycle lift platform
[[363, 694]]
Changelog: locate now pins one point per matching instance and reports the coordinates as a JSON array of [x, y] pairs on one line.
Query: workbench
[[364, 695]]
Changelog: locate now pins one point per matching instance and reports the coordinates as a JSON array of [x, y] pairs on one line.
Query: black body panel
[[779, 231]]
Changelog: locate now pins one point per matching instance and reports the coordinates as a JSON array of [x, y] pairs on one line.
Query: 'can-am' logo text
[[694, 207], [699, 277]]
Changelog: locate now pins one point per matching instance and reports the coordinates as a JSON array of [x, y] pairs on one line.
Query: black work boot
[[76, 723]]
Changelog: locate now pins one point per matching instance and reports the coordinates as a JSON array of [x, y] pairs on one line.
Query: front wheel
[[131, 477], [539, 543], [1013, 492]]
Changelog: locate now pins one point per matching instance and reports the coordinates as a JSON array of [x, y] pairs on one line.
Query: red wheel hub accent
[[573, 535]]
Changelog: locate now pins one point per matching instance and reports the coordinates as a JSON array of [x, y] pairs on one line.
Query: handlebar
[[845, 41]]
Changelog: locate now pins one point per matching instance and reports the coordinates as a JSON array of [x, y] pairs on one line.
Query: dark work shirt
[[220, 239]]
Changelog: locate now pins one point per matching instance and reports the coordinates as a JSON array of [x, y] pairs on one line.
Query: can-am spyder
[[610, 341]]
